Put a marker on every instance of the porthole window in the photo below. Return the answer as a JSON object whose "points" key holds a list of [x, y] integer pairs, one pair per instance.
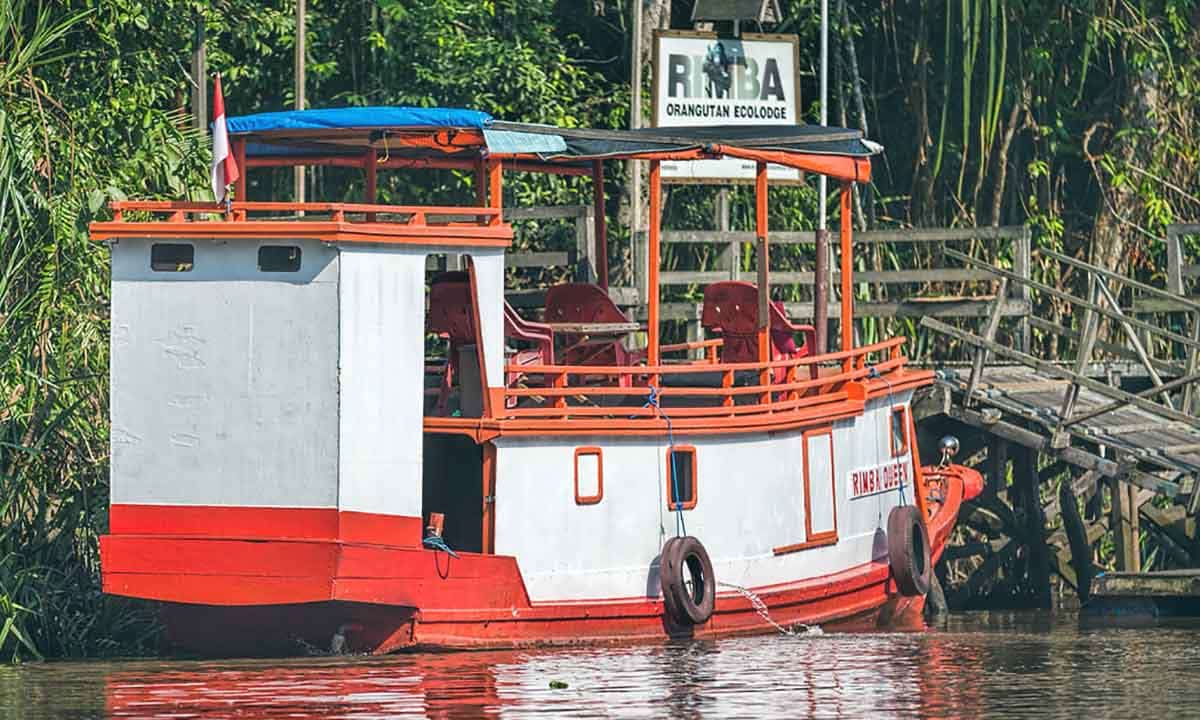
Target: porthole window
{"points": [[589, 476], [681, 478], [172, 257], [279, 258], [899, 431]]}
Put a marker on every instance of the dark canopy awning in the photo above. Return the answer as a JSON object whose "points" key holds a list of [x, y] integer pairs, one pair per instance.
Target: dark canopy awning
{"points": [[430, 134]]}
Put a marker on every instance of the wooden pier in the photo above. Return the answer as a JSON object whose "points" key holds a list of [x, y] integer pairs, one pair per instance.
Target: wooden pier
{"points": [[1076, 453]]}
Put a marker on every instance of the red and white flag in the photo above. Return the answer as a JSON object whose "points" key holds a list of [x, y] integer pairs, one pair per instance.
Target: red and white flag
{"points": [[224, 167]]}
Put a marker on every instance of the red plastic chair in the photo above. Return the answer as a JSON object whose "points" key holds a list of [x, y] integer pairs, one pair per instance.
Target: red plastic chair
{"points": [[452, 316], [540, 336], [731, 310], [587, 303]]}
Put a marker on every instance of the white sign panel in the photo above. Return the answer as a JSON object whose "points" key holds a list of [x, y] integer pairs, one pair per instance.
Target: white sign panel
{"points": [[706, 81]]}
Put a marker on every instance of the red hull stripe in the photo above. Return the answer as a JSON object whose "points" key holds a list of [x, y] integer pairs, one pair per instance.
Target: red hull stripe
{"points": [[264, 522], [339, 568]]}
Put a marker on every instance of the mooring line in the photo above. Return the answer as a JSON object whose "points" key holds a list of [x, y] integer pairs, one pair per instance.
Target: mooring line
{"points": [[761, 608]]}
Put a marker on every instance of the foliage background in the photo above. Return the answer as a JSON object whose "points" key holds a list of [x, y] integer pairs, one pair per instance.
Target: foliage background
{"points": [[1077, 118]]}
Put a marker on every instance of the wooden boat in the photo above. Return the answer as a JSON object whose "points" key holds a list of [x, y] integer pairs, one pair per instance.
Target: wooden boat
{"points": [[290, 470]]}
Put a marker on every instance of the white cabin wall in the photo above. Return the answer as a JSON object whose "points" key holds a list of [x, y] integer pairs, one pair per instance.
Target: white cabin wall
{"points": [[382, 327], [750, 500], [489, 283], [224, 378]]}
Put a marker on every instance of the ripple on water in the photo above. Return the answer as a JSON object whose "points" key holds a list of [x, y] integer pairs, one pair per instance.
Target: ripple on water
{"points": [[981, 664]]}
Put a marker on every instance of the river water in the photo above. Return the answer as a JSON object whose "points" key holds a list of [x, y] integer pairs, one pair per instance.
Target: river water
{"points": [[995, 665]]}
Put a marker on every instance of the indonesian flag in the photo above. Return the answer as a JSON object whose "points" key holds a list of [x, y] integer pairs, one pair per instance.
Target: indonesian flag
{"points": [[224, 167]]}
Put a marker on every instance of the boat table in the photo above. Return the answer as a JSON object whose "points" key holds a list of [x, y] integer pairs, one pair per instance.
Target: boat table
{"points": [[594, 328]]}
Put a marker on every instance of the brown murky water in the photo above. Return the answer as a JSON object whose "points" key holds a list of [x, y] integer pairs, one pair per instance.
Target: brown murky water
{"points": [[977, 665]]}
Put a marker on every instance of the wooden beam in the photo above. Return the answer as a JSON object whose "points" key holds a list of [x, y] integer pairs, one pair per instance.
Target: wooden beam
{"points": [[1118, 404], [601, 224], [989, 333], [1143, 356], [1048, 327], [1076, 531], [1068, 297], [1053, 370], [1143, 287]]}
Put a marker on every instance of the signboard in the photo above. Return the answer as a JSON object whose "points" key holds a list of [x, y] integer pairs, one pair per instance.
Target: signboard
{"points": [[703, 80], [878, 479]]}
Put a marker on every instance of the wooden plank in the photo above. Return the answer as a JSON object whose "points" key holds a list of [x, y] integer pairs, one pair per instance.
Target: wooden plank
{"points": [[1053, 370], [923, 235], [1176, 296], [1068, 297], [1030, 439], [1048, 327], [1185, 584], [538, 259], [1143, 356], [989, 334], [1117, 405], [883, 277], [545, 212], [804, 311]]}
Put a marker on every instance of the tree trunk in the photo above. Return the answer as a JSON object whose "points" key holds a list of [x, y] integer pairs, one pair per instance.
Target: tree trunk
{"points": [[1115, 230]]}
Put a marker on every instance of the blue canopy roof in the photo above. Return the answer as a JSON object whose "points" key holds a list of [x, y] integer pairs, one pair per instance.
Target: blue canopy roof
{"points": [[359, 117]]}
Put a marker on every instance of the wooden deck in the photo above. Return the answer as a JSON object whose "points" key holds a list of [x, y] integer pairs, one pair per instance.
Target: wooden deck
{"points": [[1155, 451]]}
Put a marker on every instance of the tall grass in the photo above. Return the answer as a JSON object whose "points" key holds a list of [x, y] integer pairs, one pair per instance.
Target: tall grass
{"points": [[54, 355]]}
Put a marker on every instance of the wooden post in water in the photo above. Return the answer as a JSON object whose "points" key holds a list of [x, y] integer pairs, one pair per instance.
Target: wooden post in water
{"points": [[1025, 479], [1120, 520], [1081, 549]]}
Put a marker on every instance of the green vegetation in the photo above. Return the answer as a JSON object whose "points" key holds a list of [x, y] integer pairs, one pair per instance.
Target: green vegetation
{"points": [[1078, 118]]}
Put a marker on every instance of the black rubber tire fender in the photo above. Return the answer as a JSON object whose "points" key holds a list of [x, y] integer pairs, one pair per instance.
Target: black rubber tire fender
{"points": [[908, 550], [688, 585]]}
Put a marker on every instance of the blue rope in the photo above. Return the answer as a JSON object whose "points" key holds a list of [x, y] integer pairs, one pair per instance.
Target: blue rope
{"points": [[652, 401], [874, 374], [435, 542]]}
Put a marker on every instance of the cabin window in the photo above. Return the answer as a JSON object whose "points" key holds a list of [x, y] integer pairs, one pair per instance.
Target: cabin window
{"points": [[279, 258], [589, 476], [681, 478], [172, 257], [899, 431]]}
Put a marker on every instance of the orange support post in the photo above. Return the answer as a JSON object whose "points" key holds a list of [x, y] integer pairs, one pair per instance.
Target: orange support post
{"points": [[652, 260], [847, 319], [764, 256], [370, 193], [601, 227], [495, 184], [239, 156]]}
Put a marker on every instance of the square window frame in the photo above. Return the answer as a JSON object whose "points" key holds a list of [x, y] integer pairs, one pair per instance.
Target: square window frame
{"points": [[590, 499], [259, 258], [176, 269], [688, 504]]}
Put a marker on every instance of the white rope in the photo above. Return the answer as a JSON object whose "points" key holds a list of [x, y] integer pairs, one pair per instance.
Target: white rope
{"points": [[761, 608]]}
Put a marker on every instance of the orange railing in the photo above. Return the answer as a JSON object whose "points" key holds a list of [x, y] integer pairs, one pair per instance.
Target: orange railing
{"points": [[558, 398], [411, 215]]}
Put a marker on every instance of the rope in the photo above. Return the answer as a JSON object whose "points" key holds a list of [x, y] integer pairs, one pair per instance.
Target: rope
{"points": [[435, 542], [874, 374], [652, 401], [760, 607]]}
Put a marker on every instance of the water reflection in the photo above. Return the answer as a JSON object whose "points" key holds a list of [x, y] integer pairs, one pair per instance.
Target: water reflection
{"points": [[998, 665]]}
